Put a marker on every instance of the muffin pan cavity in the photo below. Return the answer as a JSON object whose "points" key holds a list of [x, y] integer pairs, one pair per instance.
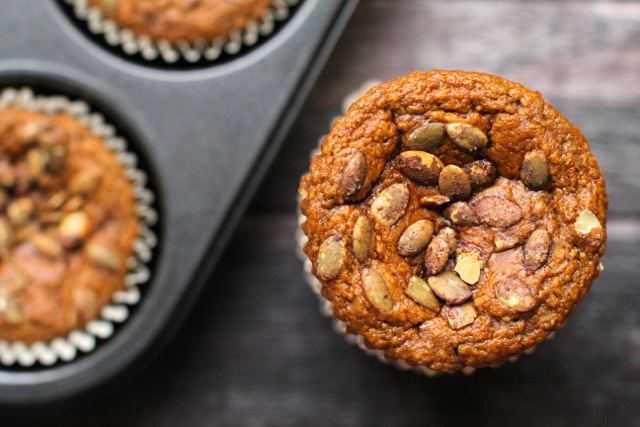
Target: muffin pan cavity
{"points": [[52, 249], [144, 49]]}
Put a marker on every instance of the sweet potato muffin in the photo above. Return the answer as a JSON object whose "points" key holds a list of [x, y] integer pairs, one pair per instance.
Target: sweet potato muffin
{"points": [[183, 20], [454, 219], [68, 223]]}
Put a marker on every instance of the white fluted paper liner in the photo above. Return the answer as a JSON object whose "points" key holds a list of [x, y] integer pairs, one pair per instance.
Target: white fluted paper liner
{"points": [[66, 349], [326, 307], [205, 50]]}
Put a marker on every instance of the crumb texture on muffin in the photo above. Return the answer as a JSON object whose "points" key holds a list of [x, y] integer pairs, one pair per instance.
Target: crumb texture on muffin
{"points": [[68, 223], [455, 219]]}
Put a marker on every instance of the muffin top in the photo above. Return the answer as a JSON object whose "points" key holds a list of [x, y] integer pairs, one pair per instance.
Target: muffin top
{"points": [[455, 219], [68, 223], [183, 20]]}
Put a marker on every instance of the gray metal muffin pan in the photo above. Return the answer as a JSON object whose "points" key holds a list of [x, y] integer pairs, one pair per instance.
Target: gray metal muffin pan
{"points": [[204, 134]]}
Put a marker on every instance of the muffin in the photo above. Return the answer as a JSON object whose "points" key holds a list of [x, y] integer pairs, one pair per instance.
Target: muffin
{"points": [[75, 228], [183, 20], [67, 227], [187, 30], [453, 220]]}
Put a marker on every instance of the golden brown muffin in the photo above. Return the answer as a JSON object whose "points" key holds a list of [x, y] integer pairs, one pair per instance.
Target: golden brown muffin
{"points": [[67, 225], [454, 219], [183, 20]]}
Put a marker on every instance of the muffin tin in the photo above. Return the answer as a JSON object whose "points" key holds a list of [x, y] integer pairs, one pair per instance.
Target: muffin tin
{"points": [[205, 135]]}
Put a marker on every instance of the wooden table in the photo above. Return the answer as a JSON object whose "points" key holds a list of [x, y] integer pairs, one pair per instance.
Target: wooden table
{"points": [[255, 350]]}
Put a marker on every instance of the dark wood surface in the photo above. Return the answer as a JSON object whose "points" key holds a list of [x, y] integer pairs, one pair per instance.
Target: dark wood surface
{"points": [[255, 351]]}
